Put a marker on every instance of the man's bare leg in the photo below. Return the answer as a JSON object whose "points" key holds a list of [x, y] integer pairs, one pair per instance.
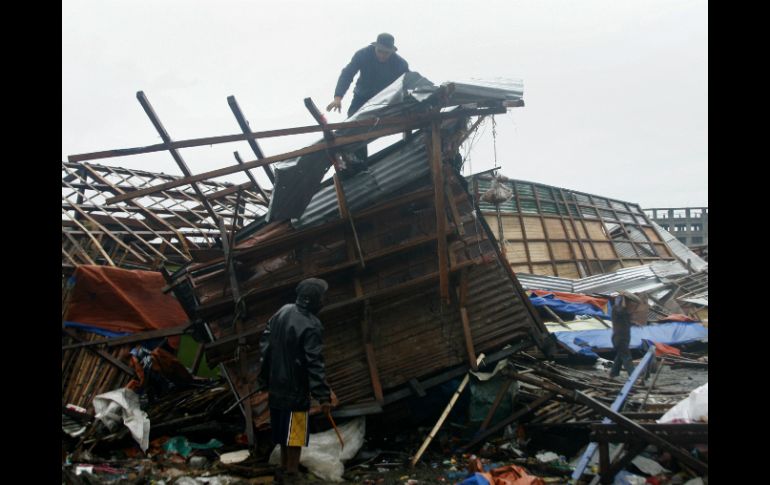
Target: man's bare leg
{"points": [[283, 457], [292, 459]]}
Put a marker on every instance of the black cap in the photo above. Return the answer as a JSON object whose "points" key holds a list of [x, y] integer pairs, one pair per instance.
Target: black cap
{"points": [[385, 41]]}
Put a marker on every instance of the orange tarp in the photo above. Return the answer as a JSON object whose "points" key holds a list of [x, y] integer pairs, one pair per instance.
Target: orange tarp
{"points": [[505, 475], [123, 300], [599, 303], [663, 349], [678, 317]]}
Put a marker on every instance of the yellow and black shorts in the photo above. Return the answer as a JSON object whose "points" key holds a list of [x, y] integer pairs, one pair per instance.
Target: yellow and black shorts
{"points": [[289, 428]]}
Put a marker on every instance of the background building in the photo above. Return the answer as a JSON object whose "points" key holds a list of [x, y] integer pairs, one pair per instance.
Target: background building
{"points": [[690, 225]]}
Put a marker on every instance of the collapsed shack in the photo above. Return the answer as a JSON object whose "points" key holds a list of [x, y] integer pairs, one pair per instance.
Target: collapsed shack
{"points": [[419, 287]]}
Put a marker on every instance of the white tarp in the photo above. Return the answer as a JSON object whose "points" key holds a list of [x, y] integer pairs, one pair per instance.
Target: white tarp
{"points": [[123, 404]]}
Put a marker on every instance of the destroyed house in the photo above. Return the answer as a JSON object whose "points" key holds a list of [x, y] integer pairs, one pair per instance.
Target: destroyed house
{"points": [[418, 288]]}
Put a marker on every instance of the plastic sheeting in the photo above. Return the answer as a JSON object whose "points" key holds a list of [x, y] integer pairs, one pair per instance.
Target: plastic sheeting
{"points": [[588, 341], [324, 455], [566, 309], [123, 404], [121, 300]]}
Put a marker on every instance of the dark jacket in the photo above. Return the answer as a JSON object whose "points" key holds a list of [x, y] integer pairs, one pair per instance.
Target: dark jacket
{"points": [[375, 75], [621, 323], [292, 366]]}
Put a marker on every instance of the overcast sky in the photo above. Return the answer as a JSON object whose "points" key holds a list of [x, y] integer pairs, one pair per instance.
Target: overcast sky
{"points": [[615, 91]]}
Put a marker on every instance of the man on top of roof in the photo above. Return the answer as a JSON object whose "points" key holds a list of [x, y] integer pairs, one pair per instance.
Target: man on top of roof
{"points": [[379, 66]]}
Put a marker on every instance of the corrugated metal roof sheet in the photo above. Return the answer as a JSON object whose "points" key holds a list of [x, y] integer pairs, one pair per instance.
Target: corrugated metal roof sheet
{"points": [[386, 176], [682, 252], [298, 179], [636, 279], [552, 283]]}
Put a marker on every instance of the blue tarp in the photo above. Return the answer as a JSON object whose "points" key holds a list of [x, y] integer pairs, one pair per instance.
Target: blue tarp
{"points": [[97, 330], [588, 341], [475, 479], [566, 309]]}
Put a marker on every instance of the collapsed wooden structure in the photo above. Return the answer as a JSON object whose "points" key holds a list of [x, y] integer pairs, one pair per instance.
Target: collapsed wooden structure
{"points": [[418, 286]]}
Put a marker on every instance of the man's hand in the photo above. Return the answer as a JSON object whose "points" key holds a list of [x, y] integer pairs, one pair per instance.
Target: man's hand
{"points": [[326, 407], [336, 104]]}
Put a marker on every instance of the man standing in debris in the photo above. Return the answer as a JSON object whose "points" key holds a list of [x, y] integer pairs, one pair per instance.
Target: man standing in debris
{"points": [[292, 369], [379, 66], [623, 306]]}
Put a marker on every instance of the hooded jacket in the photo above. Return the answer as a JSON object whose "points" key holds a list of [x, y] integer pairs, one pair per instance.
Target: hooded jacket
{"points": [[292, 364]]}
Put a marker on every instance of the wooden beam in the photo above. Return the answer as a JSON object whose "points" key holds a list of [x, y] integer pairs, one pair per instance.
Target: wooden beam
{"points": [[106, 231], [78, 247], [114, 219], [147, 212], [129, 339], [438, 187], [252, 164], [91, 236], [251, 177], [456, 217], [462, 297], [174, 153], [244, 124], [371, 360], [214, 140]]}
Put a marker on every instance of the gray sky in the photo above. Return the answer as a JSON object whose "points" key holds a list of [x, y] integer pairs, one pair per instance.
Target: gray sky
{"points": [[615, 90]]}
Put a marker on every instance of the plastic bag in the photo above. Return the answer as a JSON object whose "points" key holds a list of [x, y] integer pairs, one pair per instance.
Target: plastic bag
{"points": [[497, 193], [692, 409], [324, 456]]}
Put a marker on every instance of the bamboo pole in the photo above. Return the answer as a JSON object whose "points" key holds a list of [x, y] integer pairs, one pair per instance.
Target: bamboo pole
{"points": [[444, 415]]}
